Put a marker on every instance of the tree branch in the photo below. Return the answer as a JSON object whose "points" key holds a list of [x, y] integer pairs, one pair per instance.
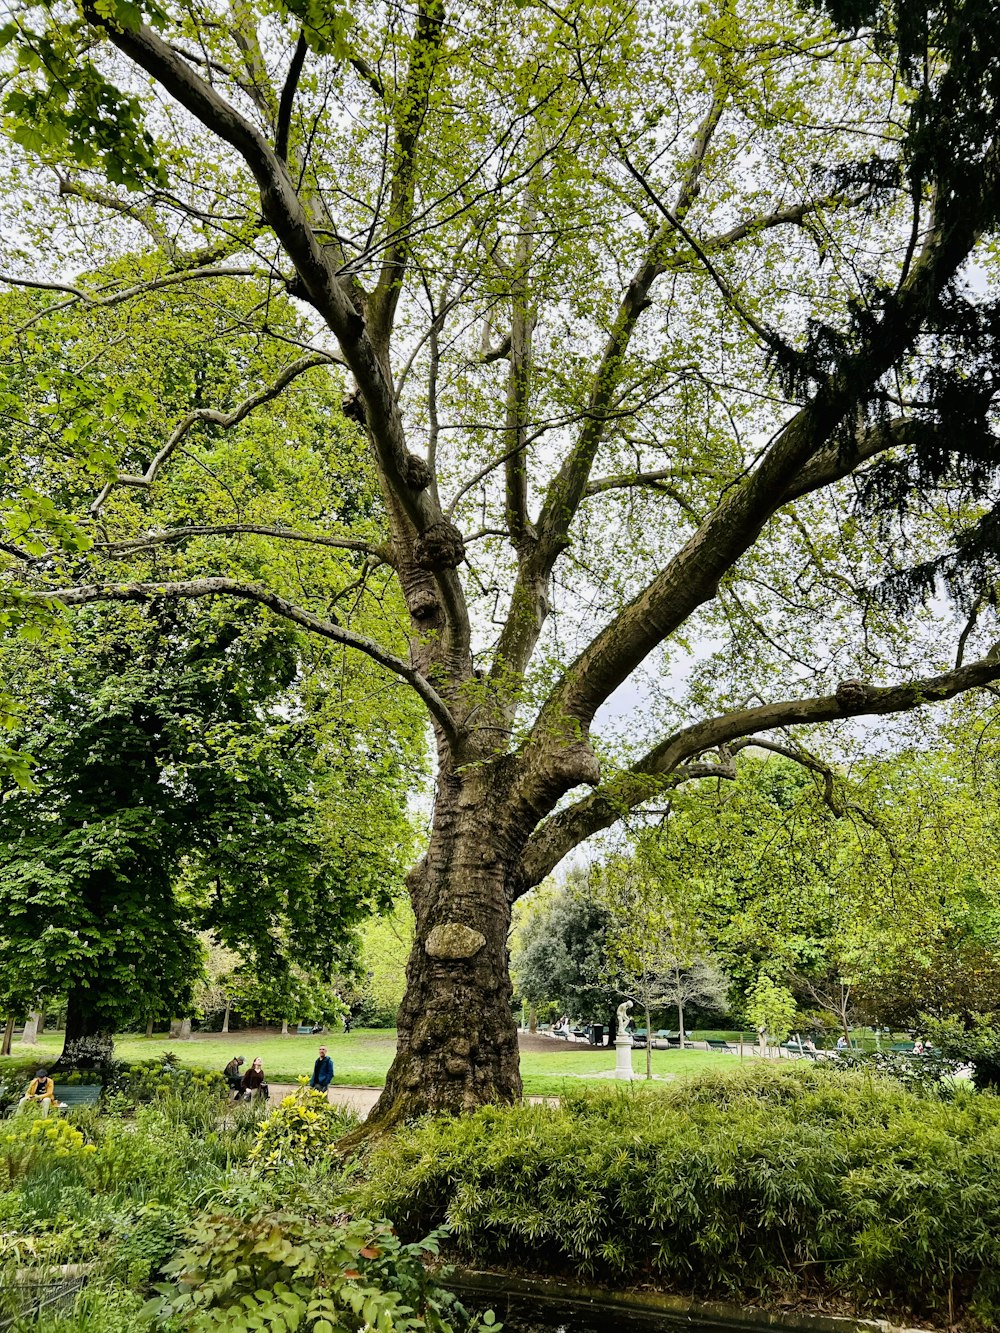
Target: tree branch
{"points": [[170, 535], [799, 458], [413, 509], [561, 832], [287, 99], [255, 592], [409, 122], [212, 416]]}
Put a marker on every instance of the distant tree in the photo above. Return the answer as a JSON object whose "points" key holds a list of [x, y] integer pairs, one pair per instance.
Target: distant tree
{"points": [[181, 786]]}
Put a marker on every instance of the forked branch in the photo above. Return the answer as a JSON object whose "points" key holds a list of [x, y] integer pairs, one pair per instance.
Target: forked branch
{"points": [[561, 832]]}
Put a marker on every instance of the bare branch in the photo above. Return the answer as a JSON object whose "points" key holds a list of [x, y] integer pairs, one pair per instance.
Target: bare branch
{"points": [[255, 592], [288, 98], [170, 535], [212, 416]]}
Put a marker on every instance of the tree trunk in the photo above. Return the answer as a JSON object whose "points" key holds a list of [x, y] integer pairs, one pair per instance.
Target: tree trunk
{"points": [[30, 1034], [180, 1029], [149, 1027], [8, 1036], [41, 1024], [225, 1018], [532, 1019], [284, 1027], [457, 1036], [88, 1041], [649, 1043]]}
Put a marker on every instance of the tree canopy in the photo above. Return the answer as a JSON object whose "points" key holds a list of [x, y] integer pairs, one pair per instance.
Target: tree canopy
{"points": [[670, 331]]}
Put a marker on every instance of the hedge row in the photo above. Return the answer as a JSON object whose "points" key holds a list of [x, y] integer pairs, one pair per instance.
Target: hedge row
{"points": [[795, 1181]]}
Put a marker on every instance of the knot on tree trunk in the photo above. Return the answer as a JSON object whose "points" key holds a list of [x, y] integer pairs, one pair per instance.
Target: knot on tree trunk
{"points": [[416, 473], [423, 604], [440, 547], [852, 694], [453, 940], [353, 408]]}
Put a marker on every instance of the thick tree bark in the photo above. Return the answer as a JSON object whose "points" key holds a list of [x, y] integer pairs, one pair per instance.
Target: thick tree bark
{"points": [[87, 1039], [284, 1027], [457, 1034], [30, 1034], [225, 1018], [149, 1027], [8, 1036]]}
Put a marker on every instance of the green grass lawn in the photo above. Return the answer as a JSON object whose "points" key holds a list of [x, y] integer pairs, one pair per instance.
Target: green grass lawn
{"points": [[362, 1057]]}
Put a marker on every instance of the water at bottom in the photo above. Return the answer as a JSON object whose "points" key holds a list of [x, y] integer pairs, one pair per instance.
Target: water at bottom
{"points": [[523, 1315]]}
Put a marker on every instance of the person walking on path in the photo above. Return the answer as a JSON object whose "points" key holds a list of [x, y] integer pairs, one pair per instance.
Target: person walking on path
{"points": [[41, 1091], [322, 1072]]}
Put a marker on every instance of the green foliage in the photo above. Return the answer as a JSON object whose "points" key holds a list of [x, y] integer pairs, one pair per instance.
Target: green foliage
{"points": [[755, 1182], [771, 1008], [302, 1128], [306, 1269], [976, 1042], [30, 1140]]}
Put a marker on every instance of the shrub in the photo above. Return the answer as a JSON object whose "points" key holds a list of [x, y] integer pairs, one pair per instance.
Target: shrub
{"points": [[153, 1080], [977, 1043], [303, 1128], [304, 1269], [30, 1142], [759, 1181]]}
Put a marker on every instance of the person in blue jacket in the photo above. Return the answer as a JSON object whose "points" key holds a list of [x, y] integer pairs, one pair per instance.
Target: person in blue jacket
{"points": [[322, 1071]]}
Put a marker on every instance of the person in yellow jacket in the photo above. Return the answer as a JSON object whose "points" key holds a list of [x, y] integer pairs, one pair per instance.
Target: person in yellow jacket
{"points": [[41, 1092]]}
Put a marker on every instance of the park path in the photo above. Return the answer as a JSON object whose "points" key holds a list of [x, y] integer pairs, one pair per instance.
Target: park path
{"points": [[359, 1100]]}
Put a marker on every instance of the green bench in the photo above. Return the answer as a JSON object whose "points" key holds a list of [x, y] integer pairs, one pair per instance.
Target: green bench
{"points": [[722, 1046], [78, 1094], [304, 1030]]}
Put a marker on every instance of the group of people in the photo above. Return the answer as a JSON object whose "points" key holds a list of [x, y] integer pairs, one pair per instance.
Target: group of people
{"points": [[252, 1084]]}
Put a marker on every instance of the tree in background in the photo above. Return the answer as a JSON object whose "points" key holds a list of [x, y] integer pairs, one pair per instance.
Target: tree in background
{"points": [[637, 372], [559, 953], [771, 1010], [652, 950], [181, 784]]}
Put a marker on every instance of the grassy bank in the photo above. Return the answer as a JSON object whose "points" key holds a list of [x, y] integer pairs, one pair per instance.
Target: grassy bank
{"points": [[361, 1058]]}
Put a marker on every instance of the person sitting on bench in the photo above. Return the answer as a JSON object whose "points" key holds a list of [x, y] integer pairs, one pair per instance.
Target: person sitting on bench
{"points": [[253, 1084], [232, 1075], [41, 1092]]}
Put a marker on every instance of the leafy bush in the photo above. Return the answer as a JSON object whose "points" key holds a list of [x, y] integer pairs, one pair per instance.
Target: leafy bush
{"points": [[770, 1179], [305, 1269], [303, 1128], [30, 1141], [977, 1044], [921, 1073], [152, 1080]]}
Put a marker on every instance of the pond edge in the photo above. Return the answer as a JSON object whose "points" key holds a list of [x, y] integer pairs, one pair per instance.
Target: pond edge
{"points": [[496, 1285]]}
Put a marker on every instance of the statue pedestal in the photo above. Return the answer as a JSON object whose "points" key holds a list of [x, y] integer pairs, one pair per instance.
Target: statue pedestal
{"points": [[623, 1056]]}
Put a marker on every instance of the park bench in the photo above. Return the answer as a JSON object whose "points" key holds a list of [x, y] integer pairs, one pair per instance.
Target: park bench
{"points": [[722, 1046], [902, 1047], [78, 1094], [304, 1030]]}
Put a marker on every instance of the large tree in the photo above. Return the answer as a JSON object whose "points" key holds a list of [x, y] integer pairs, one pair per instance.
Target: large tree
{"points": [[675, 321], [180, 785]]}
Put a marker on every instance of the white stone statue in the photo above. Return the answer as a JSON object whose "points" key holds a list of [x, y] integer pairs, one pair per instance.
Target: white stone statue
{"points": [[624, 1021]]}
